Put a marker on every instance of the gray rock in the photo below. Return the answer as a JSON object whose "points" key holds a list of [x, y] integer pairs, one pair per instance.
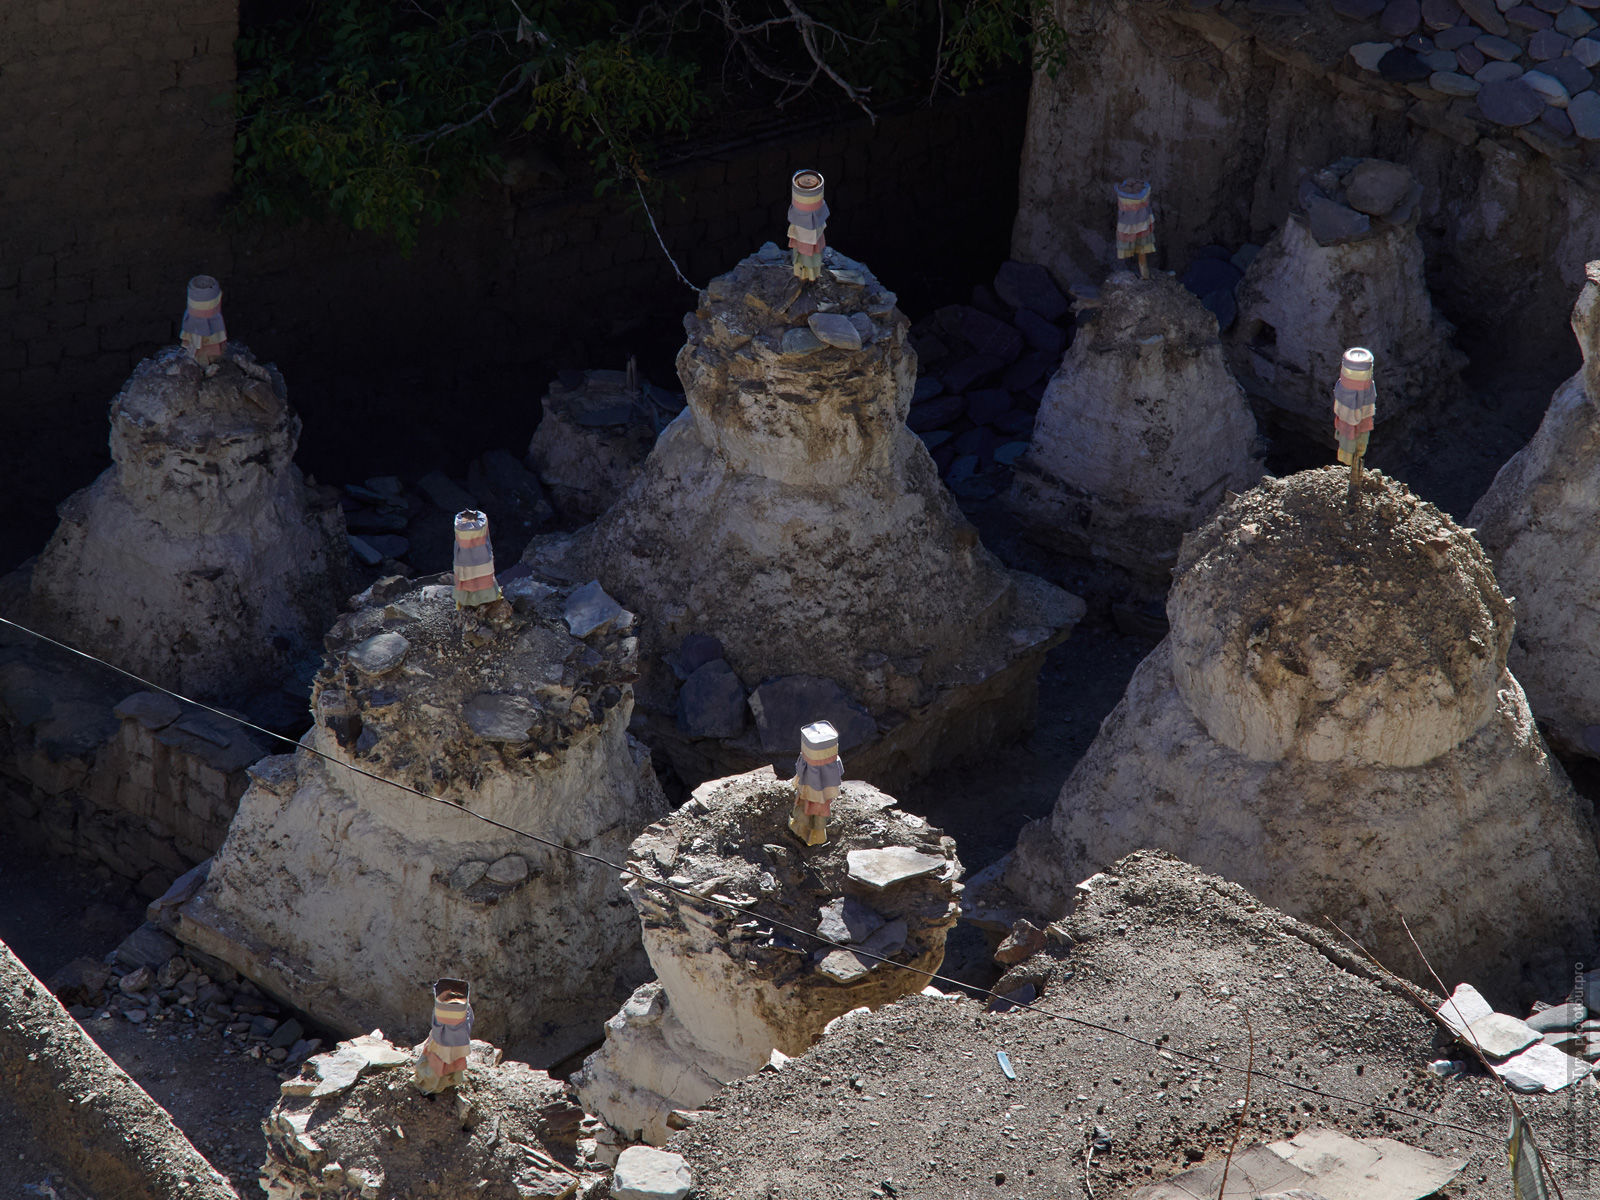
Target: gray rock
{"points": [[1561, 1016], [1586, 51], [848, 920], [799, 341], [1401, 65], [1548, 88], [1542, 1069], [1358, 10], [1400, 17], [510, 491], [467, 874], [1525, 16], [711, 702], [1455, 38], [207, 728], [1029, 286], [846, 966], [891, 865], [1439, 60], [153, 710], [1497, 72], [1498, 47], [1368, 55], [1499, 1035], [287, 1034], [936, 413], [1487, 14], [511, 869], [498, 717], [379, 653], [864, 327], [1469, 60], [590, 609], [1375, 187], [836, 330], [989, 335], [1279, 8], [1452, 84], [1511, 102], [366, 553], [695, 651], [645, 1173], [1584, 112], [1575, 23], [1574, 76], [1039, 333], [1333, 223], [444, 493], [1440, 15], [1547, 44], [146, 946], [1557, 121], [783, 706], [1466, 1005]]}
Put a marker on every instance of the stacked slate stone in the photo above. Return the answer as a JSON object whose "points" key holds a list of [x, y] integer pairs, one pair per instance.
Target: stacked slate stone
{"points": [[983, 368], [1354, 199], [1524, 65]]}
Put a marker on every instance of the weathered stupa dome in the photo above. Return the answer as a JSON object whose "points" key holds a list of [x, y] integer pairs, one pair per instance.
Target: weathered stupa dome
{"points": [[1331, 724], [731, 988], [345, 895], [199, 559], [1346, 269], [793, 555], [1140, 433], [1540, 521]]}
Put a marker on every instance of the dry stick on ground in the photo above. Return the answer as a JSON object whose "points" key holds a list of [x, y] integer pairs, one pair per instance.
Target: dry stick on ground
{"points": [[1465, 1034], [1249, 1071]]}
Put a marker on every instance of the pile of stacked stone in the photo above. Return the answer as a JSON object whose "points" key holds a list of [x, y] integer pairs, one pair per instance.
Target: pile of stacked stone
{"points": [[1554, 1048], [793, 555], [1331, 724], [1345, 269], [596, 430], [1540, 522], [148, 982], [1141, 432], [983, 368], [735, 985], [1521, 63], [341, 892], [402, 530], [200, 559], [352, 1126]]}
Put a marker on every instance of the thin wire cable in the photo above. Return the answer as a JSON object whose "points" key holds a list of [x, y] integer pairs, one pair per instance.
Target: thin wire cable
{"points": [[732, 906]]}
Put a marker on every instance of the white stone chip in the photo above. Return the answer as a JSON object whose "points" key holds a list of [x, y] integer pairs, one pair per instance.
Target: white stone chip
{"points": [[1466, 1005], [1542, 1068], [645, 1173]]}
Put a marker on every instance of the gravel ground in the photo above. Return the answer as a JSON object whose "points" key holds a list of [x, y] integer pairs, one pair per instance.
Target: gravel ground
{"points": [[912, 1102]]}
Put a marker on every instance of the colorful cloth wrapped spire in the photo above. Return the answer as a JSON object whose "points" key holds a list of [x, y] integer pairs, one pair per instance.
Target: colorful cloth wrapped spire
{"points": [[818, 772], [444, 1056], [1355, 400], [474, 561], [203, 334], [1136, 228], [808, 217]]}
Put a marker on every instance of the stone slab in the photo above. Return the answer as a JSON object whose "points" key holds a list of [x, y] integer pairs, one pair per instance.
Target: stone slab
{"points": [[589, 609], [1466, 1005], [1542, 1068], [153, 710], [379, 653], [891, 865], [645, 1173], [1500, 1035]]}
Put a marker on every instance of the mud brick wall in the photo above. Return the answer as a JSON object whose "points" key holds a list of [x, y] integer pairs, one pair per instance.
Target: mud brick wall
{"points": [[115, 154]]}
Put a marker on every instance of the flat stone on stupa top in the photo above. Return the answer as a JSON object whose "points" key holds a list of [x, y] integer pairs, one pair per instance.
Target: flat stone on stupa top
{"points": [[379, 653], [499, 717], [1499, 1035], [893, 864], [835, 329], [848, 920], [589, 609]]}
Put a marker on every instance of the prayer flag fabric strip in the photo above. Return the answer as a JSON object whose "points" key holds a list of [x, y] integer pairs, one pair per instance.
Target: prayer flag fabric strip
{"points": [[808, 217], [473, 561], [1136, 230], [1355, 402], [203, 333]]}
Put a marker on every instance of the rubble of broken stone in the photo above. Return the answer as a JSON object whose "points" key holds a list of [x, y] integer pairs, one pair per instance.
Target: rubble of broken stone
{"points": [[517, 711], [1335, 670], [739, 973], [200, 559], [1141, 432], [352, 1127], [1555, 1046], [595, 432], [789, 517], [1345, 269]]}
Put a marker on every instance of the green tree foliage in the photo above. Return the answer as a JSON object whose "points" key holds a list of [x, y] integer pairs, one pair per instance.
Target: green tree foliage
{"points": [[381, 112]]}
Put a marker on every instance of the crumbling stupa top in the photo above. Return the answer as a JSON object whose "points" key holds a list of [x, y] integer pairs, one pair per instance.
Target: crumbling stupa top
{"points": [[182, 403], [420, 692], [1301, 626]]}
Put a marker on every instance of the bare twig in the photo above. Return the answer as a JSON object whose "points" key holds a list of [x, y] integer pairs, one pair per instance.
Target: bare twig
{"points": [[808, 26], [1249, 1073]]}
